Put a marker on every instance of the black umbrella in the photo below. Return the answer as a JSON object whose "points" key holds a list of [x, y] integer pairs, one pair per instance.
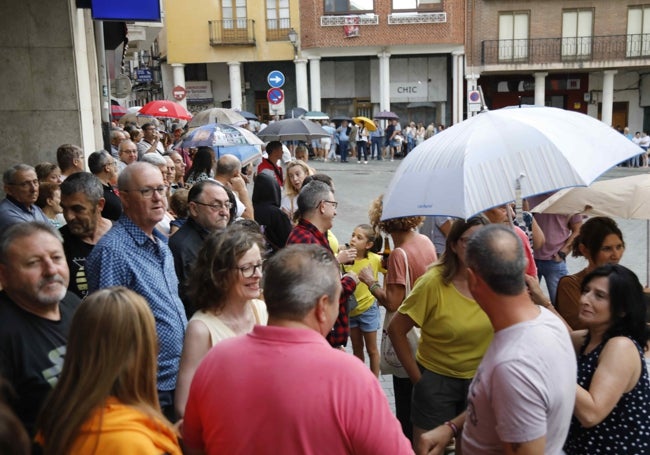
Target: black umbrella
{"points": [[292, 129], [387, 115], [296, 112], [249, 115], [340, 118]]}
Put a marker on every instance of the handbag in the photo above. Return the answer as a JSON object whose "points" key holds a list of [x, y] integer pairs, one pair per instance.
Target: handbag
{"points": [[388, 361]]}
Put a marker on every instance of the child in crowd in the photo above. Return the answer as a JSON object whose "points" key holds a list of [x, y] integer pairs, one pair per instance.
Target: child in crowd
{"points": [[365, 319]]}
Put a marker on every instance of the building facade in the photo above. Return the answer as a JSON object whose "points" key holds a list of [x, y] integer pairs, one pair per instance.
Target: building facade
{"points": [[586, 56]]}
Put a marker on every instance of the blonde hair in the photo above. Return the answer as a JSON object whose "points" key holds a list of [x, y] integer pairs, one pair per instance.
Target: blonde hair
{"points": [[403, 224], [111, 352], [288, 186]]}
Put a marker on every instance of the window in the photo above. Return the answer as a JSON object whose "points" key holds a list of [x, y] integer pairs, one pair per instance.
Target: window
{"points": [[513, 36], [638, 31], [416, 5], [234, 14], [577, 26], [349, 6], [278, 23]]}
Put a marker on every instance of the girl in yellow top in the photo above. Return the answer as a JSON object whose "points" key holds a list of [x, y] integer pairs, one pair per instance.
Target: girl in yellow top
{"points": [[106, 399], [365, 319], [455, 334]]}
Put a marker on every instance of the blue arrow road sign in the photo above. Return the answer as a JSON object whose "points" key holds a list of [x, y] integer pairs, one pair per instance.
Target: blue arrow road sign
{"points": [[275, 79], [275, 96]]}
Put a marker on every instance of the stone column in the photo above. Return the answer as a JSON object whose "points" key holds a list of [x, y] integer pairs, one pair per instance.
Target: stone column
{"points": [[302, 93], [540, 88], [472, 84], [178, 70], [314, 82], [384, 81], [234, 69], [608, 96], [458, 58]]}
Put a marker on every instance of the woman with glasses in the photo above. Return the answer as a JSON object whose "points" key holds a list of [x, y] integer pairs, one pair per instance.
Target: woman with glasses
{"points": [[224, 287]]}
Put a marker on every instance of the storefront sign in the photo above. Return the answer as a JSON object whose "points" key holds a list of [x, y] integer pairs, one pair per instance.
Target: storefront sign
{"points": [[199, 91], [409, 91]]}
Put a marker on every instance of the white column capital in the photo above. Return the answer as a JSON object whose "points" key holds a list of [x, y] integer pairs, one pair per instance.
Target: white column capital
{"points": [[384, 55], [457, 53], [300, 61], [540, 74], [610, 72], [234, 63], [178, 65], [314, 59]]}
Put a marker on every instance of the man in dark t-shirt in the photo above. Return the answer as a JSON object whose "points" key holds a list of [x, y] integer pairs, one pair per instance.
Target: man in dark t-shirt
{"points": [[35, 314], [82, 202]]}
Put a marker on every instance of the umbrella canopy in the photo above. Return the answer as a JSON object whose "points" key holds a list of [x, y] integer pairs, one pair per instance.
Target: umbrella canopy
{"points": [[117, 111], [218, 115], [137, 119], [479, 163], [340, 118], [293, 129], [215, 135], [626, 197], [296, 112], [316, 115], [366, 121], [387, 115], [165, 109], [245, 153], [248, 115]]}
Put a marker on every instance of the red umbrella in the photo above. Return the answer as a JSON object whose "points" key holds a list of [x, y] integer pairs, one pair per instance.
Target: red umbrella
{"points": [[165, 109], [117, 111]]}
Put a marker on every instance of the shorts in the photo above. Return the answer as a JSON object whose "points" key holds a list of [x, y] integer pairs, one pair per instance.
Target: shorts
{"points": [[437, 398], [369, 320], [326, 143]]}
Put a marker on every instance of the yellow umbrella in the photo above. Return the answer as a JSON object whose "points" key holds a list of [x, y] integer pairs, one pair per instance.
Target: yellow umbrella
{"points": [[367, 122]]}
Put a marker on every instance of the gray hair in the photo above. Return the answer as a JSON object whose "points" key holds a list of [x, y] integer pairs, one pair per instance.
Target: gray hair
{"points": [[125, 143], [311, 196], [296, 277], [84, 183], [496, 254], [227, 165], [22, 230], [97, 160], [154, 158], [9, 174]]}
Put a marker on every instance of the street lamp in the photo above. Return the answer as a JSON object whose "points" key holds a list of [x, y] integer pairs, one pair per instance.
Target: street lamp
{"points": [[293, 38]]}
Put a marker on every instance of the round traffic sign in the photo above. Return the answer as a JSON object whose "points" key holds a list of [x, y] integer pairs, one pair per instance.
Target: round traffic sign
{"points": [[474, 96], [179, 93], [275, 95], [275, 79]]}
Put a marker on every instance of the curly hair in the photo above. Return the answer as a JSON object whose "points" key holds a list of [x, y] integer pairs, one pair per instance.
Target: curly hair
{"points": [[403, 224], [215, 269]]}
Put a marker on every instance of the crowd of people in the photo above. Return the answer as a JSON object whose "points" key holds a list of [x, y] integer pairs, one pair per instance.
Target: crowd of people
{"points": [[151, 305]]}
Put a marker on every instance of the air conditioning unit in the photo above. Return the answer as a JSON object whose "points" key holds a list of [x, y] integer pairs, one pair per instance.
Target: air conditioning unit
{"points": [[573, 84]]}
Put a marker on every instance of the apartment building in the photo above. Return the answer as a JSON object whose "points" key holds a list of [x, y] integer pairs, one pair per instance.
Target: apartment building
{"points": [[590, 56], [345, 57]]}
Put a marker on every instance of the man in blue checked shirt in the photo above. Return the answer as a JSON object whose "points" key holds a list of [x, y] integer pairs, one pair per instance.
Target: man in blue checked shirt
{"points": [[135, 255]]}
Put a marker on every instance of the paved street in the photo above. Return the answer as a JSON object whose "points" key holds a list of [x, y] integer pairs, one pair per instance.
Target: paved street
{"points": [[357, 184]]}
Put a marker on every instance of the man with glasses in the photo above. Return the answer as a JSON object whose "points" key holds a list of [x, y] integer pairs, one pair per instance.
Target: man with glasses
{"points": [[317, 208], [19, 206], [209, 207], [150, 141], [103, 166], [135, 254], [128, 153]]}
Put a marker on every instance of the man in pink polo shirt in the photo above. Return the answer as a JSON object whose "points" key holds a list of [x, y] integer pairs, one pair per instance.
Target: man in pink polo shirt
{"points": [[282, 388]]}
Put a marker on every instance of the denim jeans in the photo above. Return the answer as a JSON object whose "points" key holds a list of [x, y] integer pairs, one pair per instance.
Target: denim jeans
{"points": [[551, 271], [376, 146], [343, 148]]}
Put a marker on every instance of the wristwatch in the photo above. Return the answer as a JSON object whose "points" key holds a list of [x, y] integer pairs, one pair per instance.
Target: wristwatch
{"points": [[562, 255]]}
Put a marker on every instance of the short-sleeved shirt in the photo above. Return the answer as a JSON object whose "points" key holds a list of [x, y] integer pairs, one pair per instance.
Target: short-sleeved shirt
{"points": [[455, 333], [31, 353], [421, 254], [524, 388], [12, 212], [126, 256], [76, 252], [364, 297]]}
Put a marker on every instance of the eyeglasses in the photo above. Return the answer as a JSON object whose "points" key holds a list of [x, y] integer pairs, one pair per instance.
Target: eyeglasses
{"points": [[112, 163], [334, 203], [216, 205], [147, 192], [26, 183], [248, 271]]}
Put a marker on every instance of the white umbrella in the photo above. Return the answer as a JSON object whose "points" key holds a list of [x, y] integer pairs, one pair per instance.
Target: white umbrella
{"points": [[218, 115], [626, 197], [481, 162]]}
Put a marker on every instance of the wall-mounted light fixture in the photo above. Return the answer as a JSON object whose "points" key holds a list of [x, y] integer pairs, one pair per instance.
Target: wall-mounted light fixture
{"points": [[293, 39]]}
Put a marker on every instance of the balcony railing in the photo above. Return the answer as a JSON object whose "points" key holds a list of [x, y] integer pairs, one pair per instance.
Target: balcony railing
{"points": [[232, 32], [560, 50], [278, 29]]}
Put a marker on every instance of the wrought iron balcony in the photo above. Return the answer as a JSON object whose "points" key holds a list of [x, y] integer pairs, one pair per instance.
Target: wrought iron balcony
{"points": [[232, 32], [561, 50], [278, 29]]}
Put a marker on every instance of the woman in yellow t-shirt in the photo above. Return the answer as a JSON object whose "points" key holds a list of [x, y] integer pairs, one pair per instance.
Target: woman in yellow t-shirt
{"points": [[106, 400], [454, 337]]}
